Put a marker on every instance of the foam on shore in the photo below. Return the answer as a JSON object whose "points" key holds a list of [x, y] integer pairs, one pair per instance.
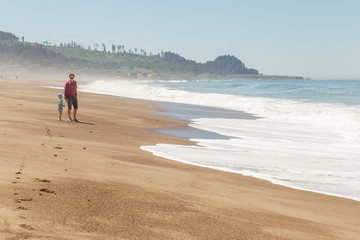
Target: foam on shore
{"points": [[310, 146]]}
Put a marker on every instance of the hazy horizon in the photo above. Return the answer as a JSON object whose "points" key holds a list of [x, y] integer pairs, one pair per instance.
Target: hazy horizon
{"points": [[316, 40]]}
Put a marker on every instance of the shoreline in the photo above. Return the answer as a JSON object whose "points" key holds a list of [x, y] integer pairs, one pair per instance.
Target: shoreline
{"points": [[257, 177], [176, 110], [170, 109], [106, 187]]}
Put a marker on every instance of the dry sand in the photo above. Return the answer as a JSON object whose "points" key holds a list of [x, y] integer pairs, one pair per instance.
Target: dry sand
{"points": [[91, 180]]}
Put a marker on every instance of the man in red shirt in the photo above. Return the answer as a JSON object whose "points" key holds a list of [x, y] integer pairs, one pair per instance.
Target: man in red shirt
{"points": [[70, 93]]}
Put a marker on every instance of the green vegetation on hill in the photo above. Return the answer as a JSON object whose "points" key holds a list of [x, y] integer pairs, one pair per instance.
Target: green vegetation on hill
{"points": [[118, 62], [8, 36]]}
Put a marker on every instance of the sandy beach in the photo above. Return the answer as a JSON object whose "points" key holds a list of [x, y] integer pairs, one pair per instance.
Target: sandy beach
{"points": [[90, 180]]}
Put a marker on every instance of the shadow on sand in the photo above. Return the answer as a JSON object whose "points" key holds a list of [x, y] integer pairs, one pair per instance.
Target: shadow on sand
{"points": [[85, 123]]}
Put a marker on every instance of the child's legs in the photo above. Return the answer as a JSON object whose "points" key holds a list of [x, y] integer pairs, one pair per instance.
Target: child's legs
{"points": [[60, 113]]}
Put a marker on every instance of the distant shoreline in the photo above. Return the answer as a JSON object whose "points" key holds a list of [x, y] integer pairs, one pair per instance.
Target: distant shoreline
{"points": [[14, 71], [120, 62]]}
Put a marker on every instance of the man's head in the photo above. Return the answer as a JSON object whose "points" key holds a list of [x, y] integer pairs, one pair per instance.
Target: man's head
{"points": [[71, 76]]}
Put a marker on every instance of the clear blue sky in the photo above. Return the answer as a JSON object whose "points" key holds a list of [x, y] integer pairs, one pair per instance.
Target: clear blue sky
{"points": [[319, 39]]}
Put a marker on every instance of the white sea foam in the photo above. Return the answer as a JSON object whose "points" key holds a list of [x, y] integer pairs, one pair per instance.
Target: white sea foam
{"points": [[343, 119], [294, 155], [311, 146]]}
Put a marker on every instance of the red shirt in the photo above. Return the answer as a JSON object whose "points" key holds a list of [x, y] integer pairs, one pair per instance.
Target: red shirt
{"points": [[70, 89]]}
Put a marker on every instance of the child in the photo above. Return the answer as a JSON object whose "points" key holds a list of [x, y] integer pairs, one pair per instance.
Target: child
{"points": [[60, 105]]}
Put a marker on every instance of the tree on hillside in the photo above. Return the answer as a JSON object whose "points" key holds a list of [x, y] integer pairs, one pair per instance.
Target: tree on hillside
{"points": [[75, 56], [226, 64], [175, 58], [8, 36]]}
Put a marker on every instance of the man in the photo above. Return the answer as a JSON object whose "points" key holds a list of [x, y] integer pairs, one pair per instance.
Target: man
{"points": [[70, 93]]}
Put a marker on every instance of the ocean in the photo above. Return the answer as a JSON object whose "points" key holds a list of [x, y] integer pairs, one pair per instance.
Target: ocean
{"points": [[303, 134]]}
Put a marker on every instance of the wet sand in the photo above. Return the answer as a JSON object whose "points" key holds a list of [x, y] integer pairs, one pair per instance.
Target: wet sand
{"points": [[91, 180]]}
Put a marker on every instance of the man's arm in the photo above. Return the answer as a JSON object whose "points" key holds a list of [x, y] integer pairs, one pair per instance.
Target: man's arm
{"points": [[66, 90]]}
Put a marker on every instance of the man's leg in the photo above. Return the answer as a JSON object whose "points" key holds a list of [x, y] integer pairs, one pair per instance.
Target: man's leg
{"points": [[75, 104], [75, 110], [70, 105], [69, 112]]}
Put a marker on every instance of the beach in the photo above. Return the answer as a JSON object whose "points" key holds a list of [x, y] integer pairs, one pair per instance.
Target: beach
{"points": [[92, 180]]}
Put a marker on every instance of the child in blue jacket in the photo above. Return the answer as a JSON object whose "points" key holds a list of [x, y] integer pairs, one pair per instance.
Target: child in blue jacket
{"points": [[60, 105]]}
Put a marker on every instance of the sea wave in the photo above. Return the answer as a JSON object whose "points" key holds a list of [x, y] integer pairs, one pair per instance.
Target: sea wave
{"points": [[305, 145], [345, 119]]}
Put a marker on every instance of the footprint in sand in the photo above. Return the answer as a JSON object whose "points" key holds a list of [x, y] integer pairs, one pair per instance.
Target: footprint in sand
{"points": [[22, 208], [20, 200], [41, 180], [17, 173], [48, 132], [46, 190], [27, 227]]}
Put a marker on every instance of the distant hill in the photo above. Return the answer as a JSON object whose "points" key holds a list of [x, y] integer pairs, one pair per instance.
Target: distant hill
{"points": [[120, 62], [7, 36]]}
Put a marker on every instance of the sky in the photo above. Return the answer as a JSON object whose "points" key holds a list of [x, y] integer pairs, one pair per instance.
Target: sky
{"points": [[318, 39]]}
